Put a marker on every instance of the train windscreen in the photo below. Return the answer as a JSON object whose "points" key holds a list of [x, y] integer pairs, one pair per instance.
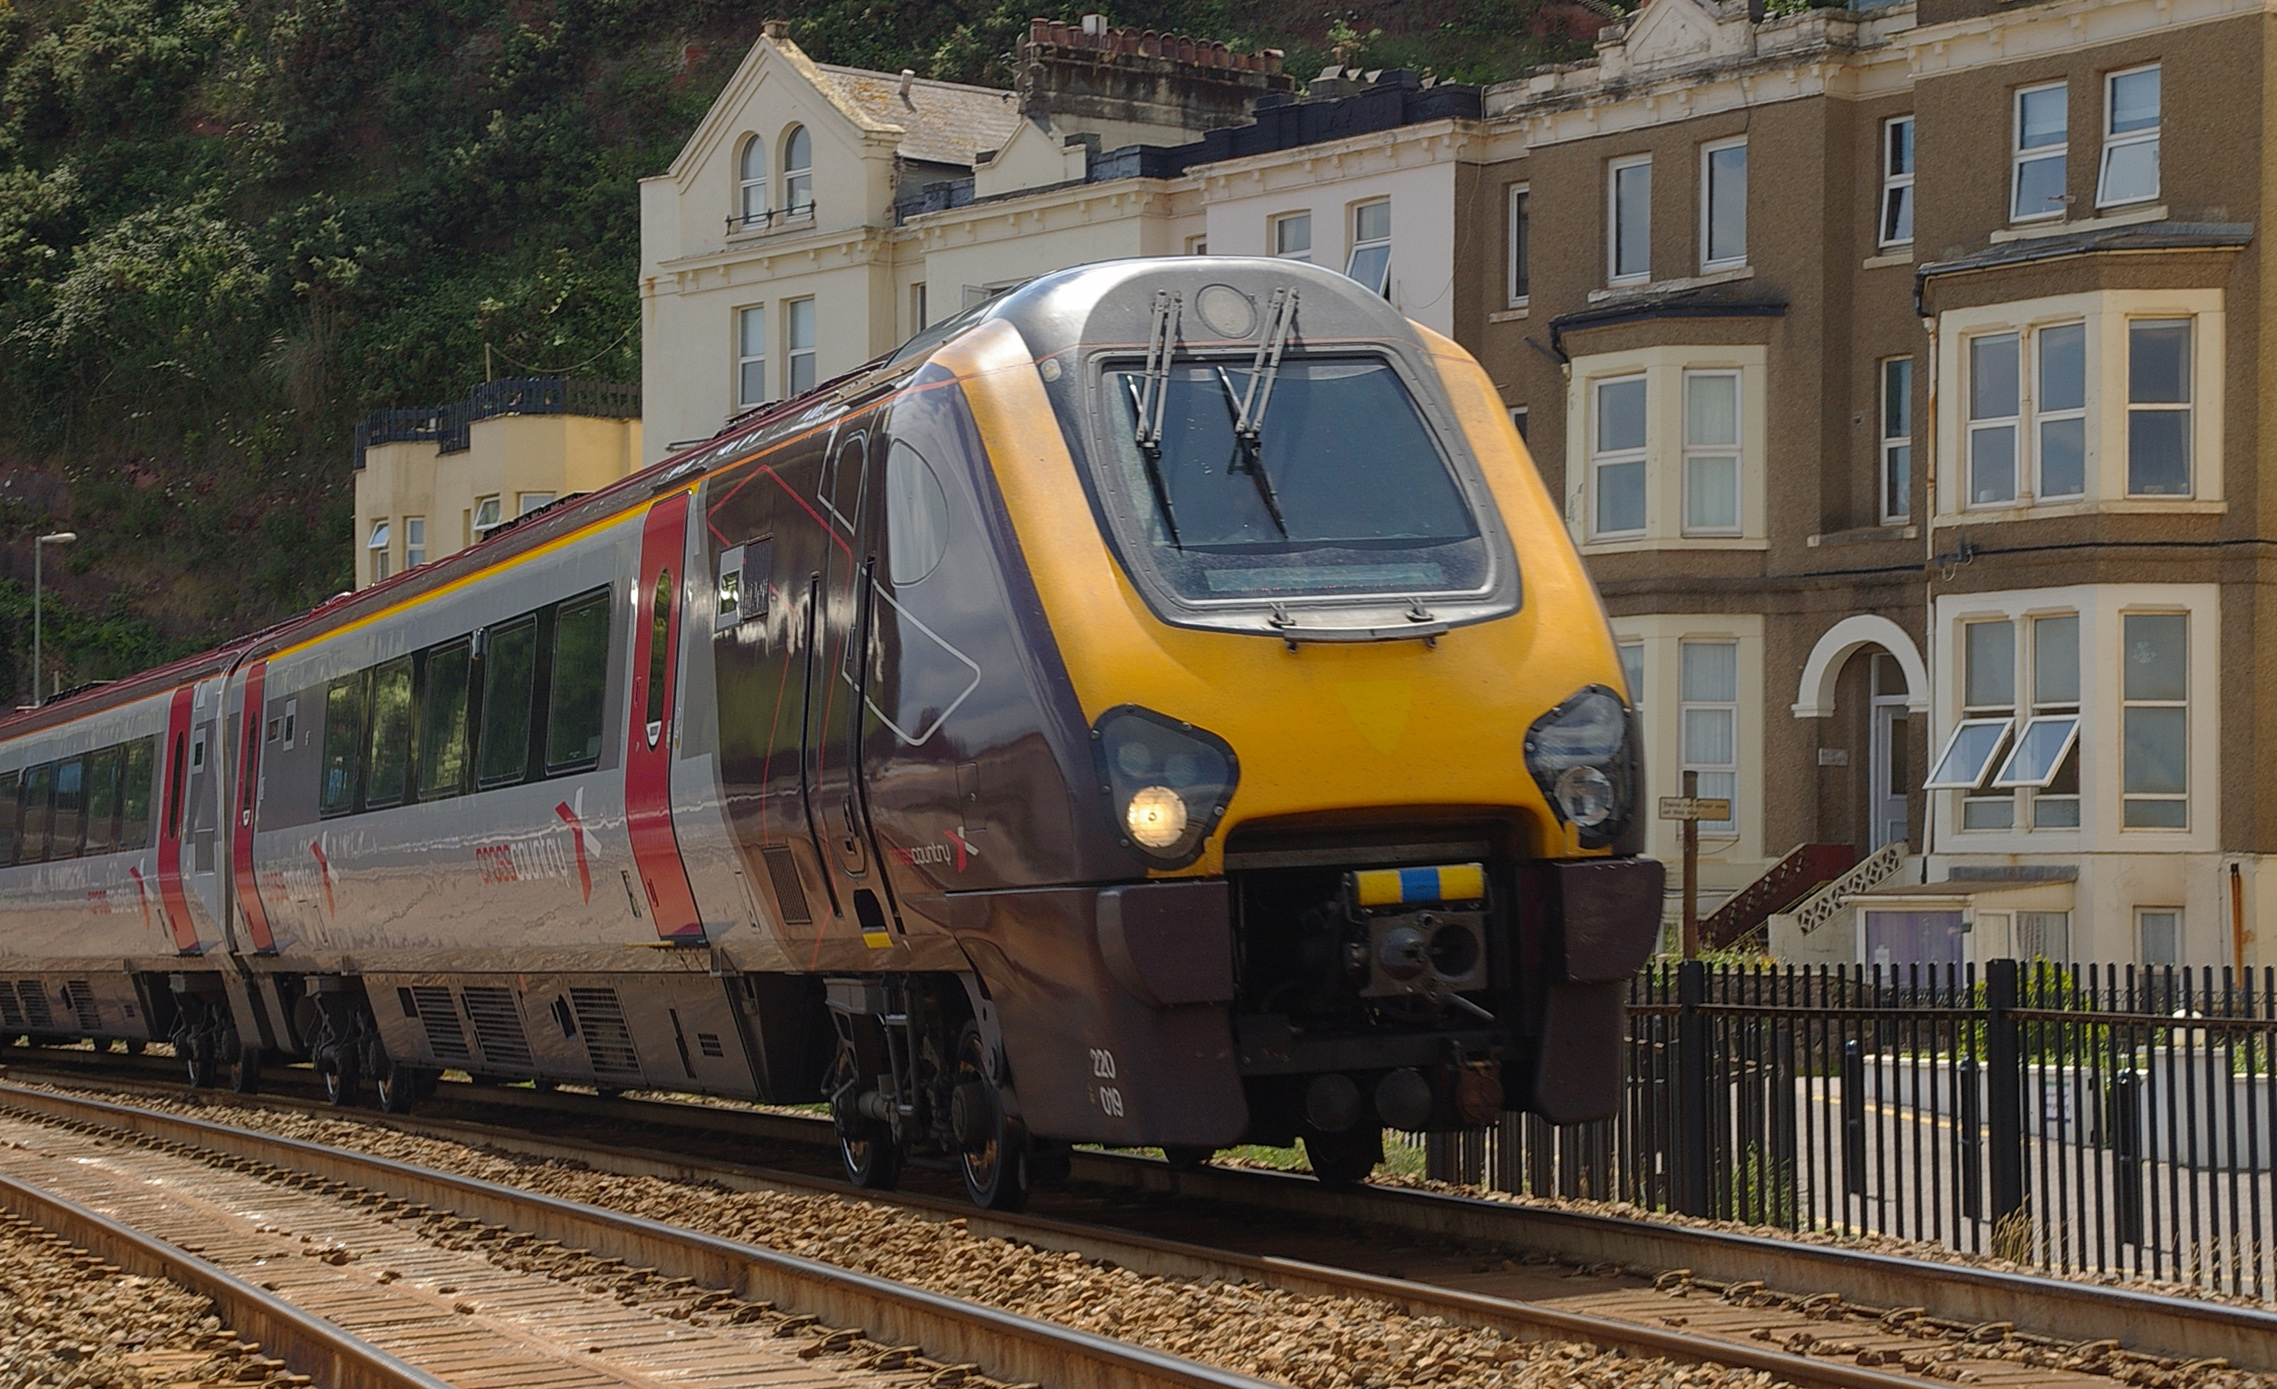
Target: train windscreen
{"points": [[1320, 479]]}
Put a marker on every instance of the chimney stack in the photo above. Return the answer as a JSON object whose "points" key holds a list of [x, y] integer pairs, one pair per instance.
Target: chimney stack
{"points": [[1179, 85]]}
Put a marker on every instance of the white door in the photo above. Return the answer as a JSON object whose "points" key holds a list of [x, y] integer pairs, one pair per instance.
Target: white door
{"points": [[1886, 786]]}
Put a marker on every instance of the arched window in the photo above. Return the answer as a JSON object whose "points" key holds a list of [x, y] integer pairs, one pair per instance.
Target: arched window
{"points": [[798, 172], [751, 182]]}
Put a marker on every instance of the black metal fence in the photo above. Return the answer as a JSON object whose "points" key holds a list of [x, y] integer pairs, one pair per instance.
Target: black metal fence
{"points": [[2102, 1118], [448, 426]]}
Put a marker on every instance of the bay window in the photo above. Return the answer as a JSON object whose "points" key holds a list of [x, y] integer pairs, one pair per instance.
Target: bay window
{"points": [[2155, 732], [1711, 453], [1617, 461], [1995, 409], [1988, 715], [2158, 407]]}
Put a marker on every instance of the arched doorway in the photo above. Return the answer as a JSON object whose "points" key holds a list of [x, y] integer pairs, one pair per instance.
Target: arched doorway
{"points": [[1866, 682]]}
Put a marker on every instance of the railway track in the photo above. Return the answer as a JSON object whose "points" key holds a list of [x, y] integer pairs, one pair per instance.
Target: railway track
{"points": [[370, 1274], [1809, 1336]]}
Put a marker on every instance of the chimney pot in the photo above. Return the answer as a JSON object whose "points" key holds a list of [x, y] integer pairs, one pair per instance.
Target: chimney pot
{"points": [[1095, 25], [908, 80], [774, 29]]}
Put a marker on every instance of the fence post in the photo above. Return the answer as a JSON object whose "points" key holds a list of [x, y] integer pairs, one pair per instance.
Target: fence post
{"points": [[2004, 1088], [1692, 1064], [1854, 1118], [1971, 1104], [2127, 1156]]}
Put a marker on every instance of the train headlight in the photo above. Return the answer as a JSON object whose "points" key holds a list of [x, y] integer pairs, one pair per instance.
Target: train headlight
{"points": [[1166, 783], [1583, 757], [1156, 817]]}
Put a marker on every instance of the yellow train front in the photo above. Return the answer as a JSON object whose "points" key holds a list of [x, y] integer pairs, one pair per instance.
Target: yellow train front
{"points": [[1235, 721]]}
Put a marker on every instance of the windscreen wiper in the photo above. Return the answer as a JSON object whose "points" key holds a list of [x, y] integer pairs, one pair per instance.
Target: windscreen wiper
{"points": [[1249, 458], [1149, 400]]}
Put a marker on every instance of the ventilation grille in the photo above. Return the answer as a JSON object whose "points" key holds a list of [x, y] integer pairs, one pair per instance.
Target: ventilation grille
{"points": [[11, 1014], [446, 1040], [36, 1014], [497, 1027], [709, 1044], [79, 997], [608, 1042], [783, 874]]}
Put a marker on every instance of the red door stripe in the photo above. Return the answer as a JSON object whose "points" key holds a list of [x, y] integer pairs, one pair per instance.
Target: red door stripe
{"points": [[648, 766], [246, 792], [173, 778]]}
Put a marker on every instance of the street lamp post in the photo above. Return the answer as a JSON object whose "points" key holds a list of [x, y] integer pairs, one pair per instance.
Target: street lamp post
{"points": [[39, 550]]}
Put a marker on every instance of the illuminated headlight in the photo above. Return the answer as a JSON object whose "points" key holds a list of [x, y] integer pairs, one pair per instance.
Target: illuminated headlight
{"points": [[1582, 757], [1166, 783]]}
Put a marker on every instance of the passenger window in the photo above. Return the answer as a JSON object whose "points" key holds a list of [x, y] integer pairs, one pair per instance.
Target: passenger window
{"points": [[103, 801], [135, 795], [659, 646], [38, 783], [917, 516], [388, 771], [292, 718], [509, 662], [442, 723], [70, 809], [580, 674], [11, 809], [343, 738]]}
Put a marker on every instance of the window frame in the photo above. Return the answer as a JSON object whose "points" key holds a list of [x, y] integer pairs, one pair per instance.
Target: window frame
{"points": [[1614, 168], [414, 541], [381, 547], [603, 598], [1685, 707], [746, 183], [1601, 459], [1358, 246], [422, 704], [1709, 262], [1274, 231], [1517, 232], [2019, 154], [2186, 407], [1887, 444], [1689, 452], [2032, 405], [2128, 703], [1952, 745], [797, 178], [2114, 141], [2142, 954], [1895, 183], [796, 356], [1972, 424], [748, 363], [482, 704]]}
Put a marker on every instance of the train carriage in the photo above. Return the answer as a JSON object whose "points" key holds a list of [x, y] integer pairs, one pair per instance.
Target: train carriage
{"points": [[1159, 707]]}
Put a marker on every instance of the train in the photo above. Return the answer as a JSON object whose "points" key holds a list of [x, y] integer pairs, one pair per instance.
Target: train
{"points": [[1160, 707]]}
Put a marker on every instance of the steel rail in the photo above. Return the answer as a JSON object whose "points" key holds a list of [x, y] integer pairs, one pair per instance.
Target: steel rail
{"points": [[308, 1345], [2145, 1322], [1005, 1345]]}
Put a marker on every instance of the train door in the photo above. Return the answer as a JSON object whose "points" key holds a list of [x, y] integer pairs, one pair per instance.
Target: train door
{"points": [[651, 732], [837, 669], [203, 807], [174, 779], [245, 799]]}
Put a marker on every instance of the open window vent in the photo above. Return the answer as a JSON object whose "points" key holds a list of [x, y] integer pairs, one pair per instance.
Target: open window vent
{"points": [[37, 1016], [79, 997]]}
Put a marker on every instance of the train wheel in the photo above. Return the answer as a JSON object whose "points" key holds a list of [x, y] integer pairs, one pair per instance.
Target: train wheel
{"points": [[135, 1045], [995, 1146], [245, 1075], [398, 1086], [1344, 1159], [198, 1054], [874, 1163], [1183, 1158], [343, 1077]]}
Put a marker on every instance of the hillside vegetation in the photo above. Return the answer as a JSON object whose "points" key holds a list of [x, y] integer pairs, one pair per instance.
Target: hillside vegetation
{"points": [[229, 229]]}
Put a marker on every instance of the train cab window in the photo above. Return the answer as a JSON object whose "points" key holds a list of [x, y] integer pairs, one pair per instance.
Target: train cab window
{"points": [[442, 722], [103, 800], [388, 771], [509, 668], [659, 649], [579, 679], [70, 809], [39, 785], [917, 516], [1336, 487], [343, 740], [136, 794], [11, 810]]}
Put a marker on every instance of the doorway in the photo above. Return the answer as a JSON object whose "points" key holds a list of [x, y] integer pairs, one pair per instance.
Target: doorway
{"points": [[1890, 755]]}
